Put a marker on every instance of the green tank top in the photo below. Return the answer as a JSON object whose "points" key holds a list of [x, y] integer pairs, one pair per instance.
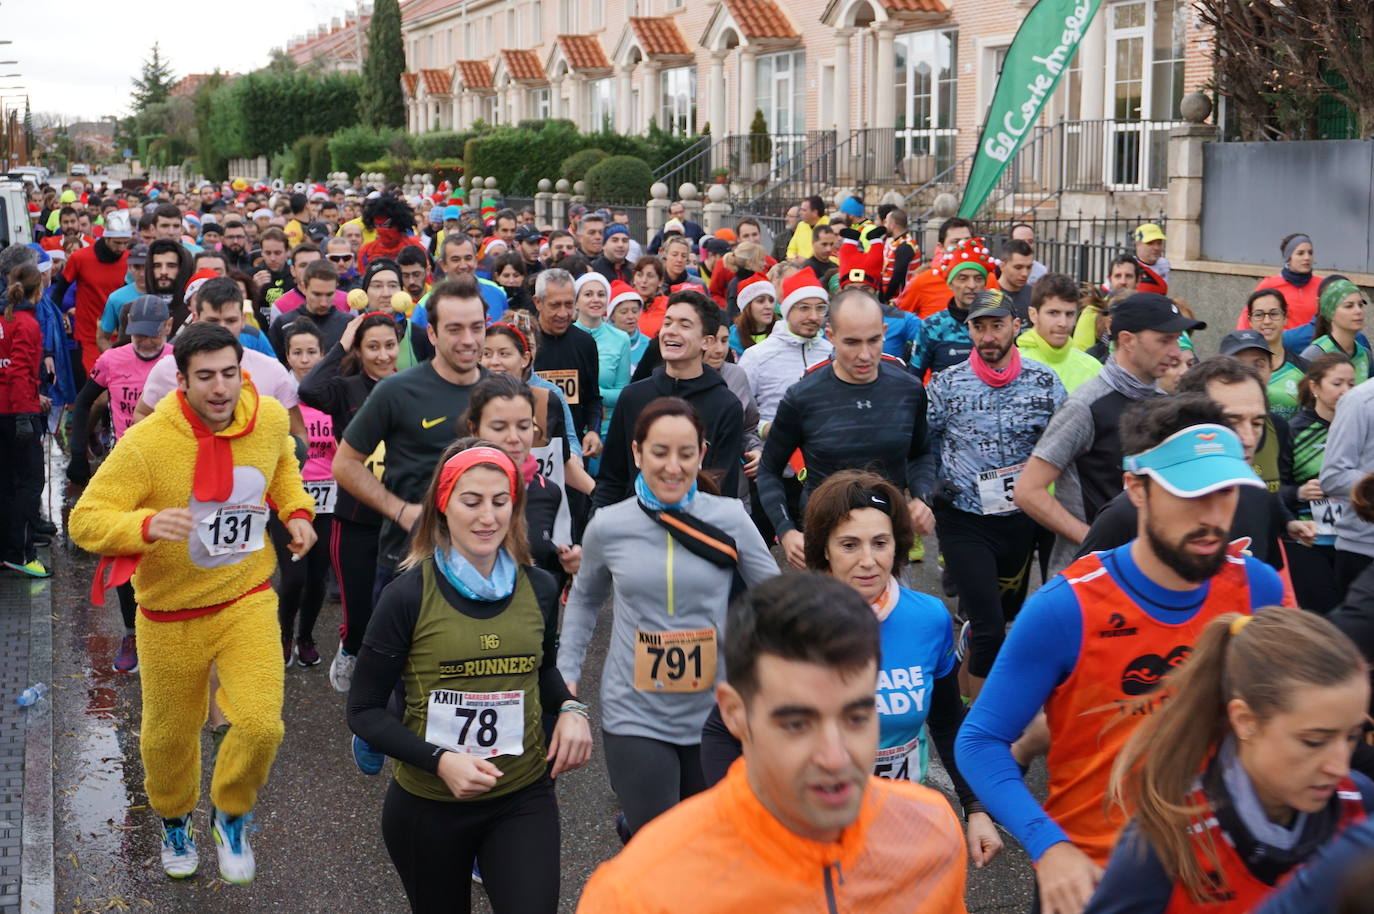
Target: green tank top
{"points": [[480, 678], [1266, 463], [1360, 361], [405, 353], [1283, 390]]}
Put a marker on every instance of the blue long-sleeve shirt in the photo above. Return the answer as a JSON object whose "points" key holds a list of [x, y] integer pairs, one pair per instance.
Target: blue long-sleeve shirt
{"points": [[1318, 886], [1040, 653]]}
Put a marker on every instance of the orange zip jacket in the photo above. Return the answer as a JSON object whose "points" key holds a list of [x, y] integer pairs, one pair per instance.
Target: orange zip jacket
{"points": [[721, 851]]}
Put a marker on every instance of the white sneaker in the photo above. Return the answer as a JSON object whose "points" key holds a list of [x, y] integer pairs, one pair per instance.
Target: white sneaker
{"points": [[179, 857], [236, 862], [341, 670]]}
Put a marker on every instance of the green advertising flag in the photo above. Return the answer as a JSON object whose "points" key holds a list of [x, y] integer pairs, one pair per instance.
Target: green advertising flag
{"points": [[1037, 58]]}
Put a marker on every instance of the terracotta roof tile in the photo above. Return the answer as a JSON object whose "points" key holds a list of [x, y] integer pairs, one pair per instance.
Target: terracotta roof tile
{"points": [[916, 6], [475, 74], [437, 82], [761, 19], [659, 37], [409, 82], [584, 52], [523, 65]]}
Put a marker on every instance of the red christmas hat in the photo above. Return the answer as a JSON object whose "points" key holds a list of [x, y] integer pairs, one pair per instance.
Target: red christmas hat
{"points": [[800, 285], [966, 254], [860, 266], [198, 279], [753, 287], [623, 291]]}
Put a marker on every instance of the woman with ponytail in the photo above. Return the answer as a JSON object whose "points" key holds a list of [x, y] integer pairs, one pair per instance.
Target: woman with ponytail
{"points": [[1244, 773], [21, 422]]}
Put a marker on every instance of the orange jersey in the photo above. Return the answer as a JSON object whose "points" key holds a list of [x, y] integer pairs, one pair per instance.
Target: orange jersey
{"points": [[721, 851], [1124, 655], [1238, 889]]}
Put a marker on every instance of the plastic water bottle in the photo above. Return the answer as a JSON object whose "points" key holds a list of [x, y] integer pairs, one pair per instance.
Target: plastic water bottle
{"points": [[32, 694]]}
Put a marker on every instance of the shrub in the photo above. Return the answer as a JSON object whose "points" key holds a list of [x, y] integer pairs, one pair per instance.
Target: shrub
{"points": [[442, 144], [518, 159], [760, 144], [352, 146], [394, 169], [266, 111], [575, 166], [319, 158], [619, 179]]}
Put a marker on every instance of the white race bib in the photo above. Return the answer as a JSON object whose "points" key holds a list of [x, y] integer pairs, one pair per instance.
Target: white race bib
{"points": [[995, 489], [1327, 512], [325, 492], [233, 529], [484, 724], [899, 763], [551, 466]]}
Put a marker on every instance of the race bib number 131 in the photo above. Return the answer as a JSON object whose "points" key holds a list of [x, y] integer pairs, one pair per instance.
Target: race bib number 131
{"points": [[234, 529]]}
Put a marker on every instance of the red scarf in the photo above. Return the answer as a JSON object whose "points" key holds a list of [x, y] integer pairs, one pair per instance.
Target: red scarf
{"points": [[214, 478], [996, 377]]}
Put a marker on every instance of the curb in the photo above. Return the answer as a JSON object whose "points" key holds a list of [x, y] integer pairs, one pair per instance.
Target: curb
{"points": [[36, 879]]}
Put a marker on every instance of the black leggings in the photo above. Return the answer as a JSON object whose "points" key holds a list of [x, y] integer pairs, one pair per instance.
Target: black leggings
{"points": [[1348, 568], [514, 840], [1313, 570], [21, 484], [973, 545], [650, 776], [353, 549], [128, 606], [300, 591]]}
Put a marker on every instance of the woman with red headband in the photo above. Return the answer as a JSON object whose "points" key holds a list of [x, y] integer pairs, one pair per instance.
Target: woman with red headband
{"points": [[470, 628], [338, 385]]}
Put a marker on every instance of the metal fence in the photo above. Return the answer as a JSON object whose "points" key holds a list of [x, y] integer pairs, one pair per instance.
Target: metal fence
{"points": [[1082, 247], [519, 203]]}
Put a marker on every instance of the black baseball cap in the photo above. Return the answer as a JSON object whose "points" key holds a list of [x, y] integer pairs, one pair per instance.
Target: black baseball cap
{"points": [[147, 313], [528, 233], [1151, 311], [138, 255], [989, 303], [1241, 340]]}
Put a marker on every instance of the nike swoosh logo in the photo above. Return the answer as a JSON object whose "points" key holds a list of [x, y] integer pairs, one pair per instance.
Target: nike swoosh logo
{"points": [[430, 423]]}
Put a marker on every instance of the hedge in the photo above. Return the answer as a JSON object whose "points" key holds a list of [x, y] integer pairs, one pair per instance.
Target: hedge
{"points": [[575, 166], [518, 158], [352, 146], [265, 111], [442, 144], [619, 179]]}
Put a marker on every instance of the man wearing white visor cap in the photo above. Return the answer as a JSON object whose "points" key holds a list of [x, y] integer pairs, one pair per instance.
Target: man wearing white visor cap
{"points": [[1094, 646]]}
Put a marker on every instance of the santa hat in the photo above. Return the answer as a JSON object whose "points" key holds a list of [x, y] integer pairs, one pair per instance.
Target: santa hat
{"points": [[800, 285], [623, 291], [198, 279], [589, 277], [752, 288], [966, 254], [861, 267]]}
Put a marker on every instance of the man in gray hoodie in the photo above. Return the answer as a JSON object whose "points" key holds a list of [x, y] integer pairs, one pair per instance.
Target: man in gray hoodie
{"points": [[794, 346]]}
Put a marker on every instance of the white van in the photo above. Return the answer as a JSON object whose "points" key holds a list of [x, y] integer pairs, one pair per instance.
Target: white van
{"points": [[14, 213]]}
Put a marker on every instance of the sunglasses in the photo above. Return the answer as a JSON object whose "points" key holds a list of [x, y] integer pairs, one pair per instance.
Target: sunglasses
{"points": [[340, 258]]}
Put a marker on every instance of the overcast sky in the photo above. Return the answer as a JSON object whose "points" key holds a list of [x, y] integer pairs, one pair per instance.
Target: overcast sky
{"points": [[77, 58]]}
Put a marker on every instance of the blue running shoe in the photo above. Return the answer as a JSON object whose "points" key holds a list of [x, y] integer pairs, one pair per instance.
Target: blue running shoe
{"points": [[368, 760], [476, 873], [236, 862], [179, 857]]}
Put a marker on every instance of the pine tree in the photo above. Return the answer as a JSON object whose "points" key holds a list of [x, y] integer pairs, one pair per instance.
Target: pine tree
{"points": [[155, 85], [381, 103]]}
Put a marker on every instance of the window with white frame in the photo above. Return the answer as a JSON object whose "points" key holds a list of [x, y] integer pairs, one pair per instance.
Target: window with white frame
{"points": [[490, 109], [430, 59], [467, 41], [678, 94], [567, 16], [512, 29], [927, 89], [414, 54], [1145, 40], [537, 22], [601, 104], [490, 29], [780, 93], [538, 103], [598, 14]]}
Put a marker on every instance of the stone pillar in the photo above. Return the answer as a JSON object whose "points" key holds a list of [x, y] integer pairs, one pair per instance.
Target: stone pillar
{"points": [[715, 215], [624, 89], [884, 91], [517, 103], [748, 75], [648, 93], [556, 98], [656, 211], [577, 95], [1092, 53], [1185, 189], [715, 111], [543, 205], [558, 216], [843, 101], [691, 201]]}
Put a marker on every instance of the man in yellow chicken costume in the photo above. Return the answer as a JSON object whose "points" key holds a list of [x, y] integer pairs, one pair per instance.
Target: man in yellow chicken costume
{"points": [[181, 504]]}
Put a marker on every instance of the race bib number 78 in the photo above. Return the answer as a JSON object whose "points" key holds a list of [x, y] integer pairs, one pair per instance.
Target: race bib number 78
{"points": [[484, 724]]}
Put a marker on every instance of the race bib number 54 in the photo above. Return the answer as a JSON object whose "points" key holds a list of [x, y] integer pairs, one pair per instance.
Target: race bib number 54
{"points": [[681, 661], [484, 724], [233, 529]]}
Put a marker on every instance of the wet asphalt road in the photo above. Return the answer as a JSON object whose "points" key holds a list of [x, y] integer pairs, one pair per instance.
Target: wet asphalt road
{"points": [[319, 847]]}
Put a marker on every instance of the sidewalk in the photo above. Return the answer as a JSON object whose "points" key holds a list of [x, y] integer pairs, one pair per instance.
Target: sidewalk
{"points": [[26, 854]]}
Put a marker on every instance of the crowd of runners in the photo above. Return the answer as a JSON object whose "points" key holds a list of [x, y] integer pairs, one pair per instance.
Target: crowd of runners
{"points": [[481, 435]]}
